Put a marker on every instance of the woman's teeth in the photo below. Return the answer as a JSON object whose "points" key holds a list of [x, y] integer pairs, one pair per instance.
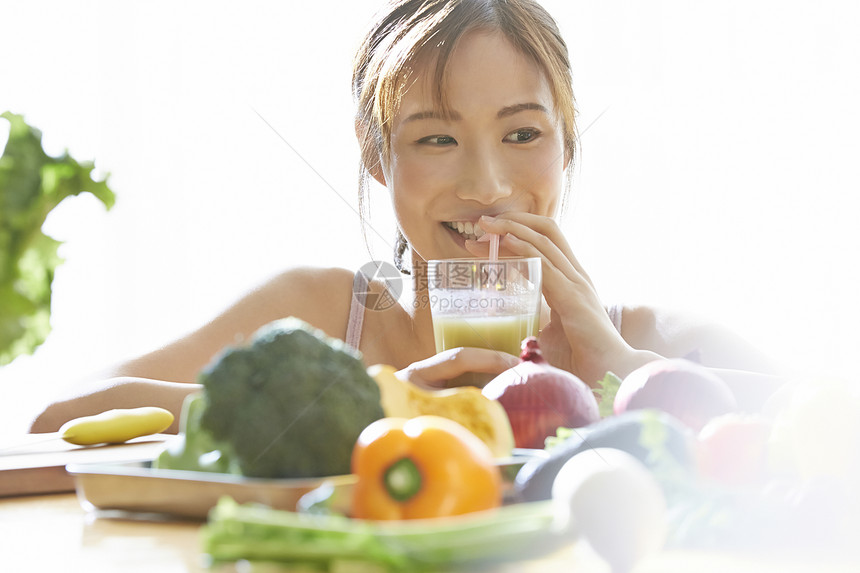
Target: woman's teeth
{"points": [[469, 230]]}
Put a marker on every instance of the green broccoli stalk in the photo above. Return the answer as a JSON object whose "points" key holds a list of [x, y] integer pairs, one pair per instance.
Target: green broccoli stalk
{"points": [[194, 449], [291, 404]]}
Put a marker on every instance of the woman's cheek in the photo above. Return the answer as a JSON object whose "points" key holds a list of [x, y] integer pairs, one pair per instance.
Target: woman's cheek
{"points": [[411, 191], [414, 174], [542, 174]]}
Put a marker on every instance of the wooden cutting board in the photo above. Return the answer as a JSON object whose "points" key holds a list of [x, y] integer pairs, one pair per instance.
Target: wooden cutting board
{"points": [[35, 463]]}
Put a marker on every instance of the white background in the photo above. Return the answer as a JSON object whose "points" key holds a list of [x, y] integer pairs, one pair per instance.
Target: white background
{"points": [[719, 175]]}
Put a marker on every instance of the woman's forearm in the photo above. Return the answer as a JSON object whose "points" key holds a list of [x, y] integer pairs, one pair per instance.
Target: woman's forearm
{"points": [[122, 392]]}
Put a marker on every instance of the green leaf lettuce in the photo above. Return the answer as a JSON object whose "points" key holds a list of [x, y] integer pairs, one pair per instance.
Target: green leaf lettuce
{"points": [[32, 184]]}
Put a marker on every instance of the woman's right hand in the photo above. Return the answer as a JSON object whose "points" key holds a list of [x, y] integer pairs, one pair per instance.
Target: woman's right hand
{"points": [[438, 370]]}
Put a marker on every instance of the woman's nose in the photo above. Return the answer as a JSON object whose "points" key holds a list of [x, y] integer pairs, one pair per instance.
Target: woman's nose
{"points": [[483, 177]]}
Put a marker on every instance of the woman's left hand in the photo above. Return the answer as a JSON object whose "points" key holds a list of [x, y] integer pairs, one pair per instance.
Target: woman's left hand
{"points": [[579, 336]]}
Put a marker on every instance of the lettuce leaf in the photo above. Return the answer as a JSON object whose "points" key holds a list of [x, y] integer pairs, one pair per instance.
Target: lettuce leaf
{"points": [[608, 387], [32, 184], [478, 541]]}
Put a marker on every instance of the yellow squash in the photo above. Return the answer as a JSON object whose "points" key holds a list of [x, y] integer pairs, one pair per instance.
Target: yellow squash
{"points": [[484, 417], [116, 426]]}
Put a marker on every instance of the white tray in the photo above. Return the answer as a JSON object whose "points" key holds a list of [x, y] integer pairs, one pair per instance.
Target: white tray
{"points": [[138, 488]]}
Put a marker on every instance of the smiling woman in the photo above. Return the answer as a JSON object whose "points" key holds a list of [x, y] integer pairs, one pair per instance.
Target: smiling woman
{"points": [[695, 159], [465, 114], [535, 59]]}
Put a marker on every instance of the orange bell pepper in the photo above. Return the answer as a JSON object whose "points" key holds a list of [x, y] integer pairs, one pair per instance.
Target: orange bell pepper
{"points": [[422, 467]]}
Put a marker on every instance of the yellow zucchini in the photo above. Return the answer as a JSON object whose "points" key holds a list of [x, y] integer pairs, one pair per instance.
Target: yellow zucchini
{"points": [[116, 426]]}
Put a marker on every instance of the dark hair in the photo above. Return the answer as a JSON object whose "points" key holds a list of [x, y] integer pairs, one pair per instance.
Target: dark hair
{"points": [[406, 33]]}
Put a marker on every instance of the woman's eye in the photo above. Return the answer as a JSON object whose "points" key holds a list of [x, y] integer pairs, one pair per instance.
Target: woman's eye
{"points": [[521, 135], [438, 140]]}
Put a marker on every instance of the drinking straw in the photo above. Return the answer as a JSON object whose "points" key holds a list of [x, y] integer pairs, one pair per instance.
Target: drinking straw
{"points": [[494, 247]]}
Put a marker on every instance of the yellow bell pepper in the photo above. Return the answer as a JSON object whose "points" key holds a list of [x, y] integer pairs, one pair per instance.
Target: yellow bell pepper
{"points": [[422, 467]]}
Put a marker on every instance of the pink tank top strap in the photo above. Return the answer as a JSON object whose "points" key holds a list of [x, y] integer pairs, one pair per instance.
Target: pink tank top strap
{"points": [[356, 310], [615, 312]]}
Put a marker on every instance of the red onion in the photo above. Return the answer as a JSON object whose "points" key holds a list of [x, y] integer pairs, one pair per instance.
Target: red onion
{"points": [[540, 398]]}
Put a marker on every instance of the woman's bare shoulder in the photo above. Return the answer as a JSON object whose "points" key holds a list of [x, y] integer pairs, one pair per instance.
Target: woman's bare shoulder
{"points": [[673, 333], [319, 296]]}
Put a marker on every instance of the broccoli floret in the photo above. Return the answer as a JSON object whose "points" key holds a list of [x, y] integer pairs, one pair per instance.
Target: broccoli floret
{"points": [[291, 404]]}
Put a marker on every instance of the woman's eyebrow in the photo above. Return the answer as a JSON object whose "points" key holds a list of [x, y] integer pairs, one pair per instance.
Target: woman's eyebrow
{"points": [[510, 110], [506, 111], [431, 114]]}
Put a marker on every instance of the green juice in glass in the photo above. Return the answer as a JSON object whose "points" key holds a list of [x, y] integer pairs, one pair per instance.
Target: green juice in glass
{"points": [[500, 333]]}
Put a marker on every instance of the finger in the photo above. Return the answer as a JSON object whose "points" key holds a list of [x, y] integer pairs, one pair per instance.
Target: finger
{"points": [[541, 237], [437, 370], [544, 247], [546, 226], [545, 235], [556, 282]]}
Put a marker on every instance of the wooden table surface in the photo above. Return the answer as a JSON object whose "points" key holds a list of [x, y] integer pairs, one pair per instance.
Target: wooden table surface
{"points": [[54, 533]]}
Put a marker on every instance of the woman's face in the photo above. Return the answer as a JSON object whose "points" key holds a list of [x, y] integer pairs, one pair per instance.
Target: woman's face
{"points": [[501, 150]]}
